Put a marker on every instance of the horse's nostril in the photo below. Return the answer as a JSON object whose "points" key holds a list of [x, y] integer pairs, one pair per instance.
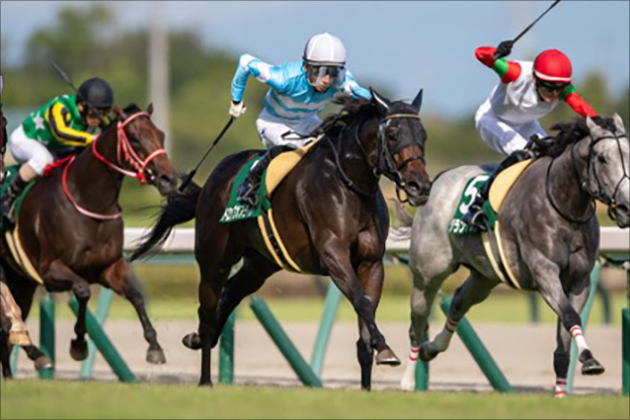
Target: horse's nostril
{"points": [[624, 209], [413, 187], [167, 180]]}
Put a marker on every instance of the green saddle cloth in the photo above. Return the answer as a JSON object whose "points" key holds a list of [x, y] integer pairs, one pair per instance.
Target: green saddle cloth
{"points": [[237, 211], [11, 173], [458, 227]]}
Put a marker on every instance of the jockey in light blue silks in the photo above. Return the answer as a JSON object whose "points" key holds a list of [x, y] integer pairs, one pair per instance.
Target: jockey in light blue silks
{"points": [[298, 92]]}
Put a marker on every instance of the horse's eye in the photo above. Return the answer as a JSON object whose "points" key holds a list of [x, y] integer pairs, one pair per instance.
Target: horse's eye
{"points": [[602, 160]]}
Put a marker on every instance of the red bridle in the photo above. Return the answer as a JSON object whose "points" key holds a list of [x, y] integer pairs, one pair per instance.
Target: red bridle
{"points": [[124, 149], [125, 154]]}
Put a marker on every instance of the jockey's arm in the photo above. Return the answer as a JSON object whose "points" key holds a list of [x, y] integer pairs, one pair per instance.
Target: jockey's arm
{"points": [[508, 71], [58, 117], [351, 88], [263, 72], [577, 103]]}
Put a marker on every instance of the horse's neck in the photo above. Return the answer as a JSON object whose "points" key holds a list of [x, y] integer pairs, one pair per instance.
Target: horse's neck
{"points": [[358, 166], [96, 185], [566, 187]]}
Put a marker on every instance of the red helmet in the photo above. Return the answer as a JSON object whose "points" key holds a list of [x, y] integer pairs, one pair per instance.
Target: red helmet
{"points": [[553, 66]]}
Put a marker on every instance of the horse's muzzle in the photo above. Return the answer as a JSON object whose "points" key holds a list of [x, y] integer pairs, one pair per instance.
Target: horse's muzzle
{"points": [[418, 193], [622, 215]]}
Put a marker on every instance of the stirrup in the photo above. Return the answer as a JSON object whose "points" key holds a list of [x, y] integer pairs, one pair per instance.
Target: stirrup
{"points": [[476, 218]]}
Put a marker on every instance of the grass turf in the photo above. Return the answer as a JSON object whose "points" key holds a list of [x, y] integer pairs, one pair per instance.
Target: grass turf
{"points": [[47, 400]]}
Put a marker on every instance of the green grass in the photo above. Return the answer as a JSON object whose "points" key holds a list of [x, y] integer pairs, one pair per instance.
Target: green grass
{"points": [[63, 400], [512, 308]]}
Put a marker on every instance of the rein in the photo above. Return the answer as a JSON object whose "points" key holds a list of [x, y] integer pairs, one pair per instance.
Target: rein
{"points": [[125, 154]]}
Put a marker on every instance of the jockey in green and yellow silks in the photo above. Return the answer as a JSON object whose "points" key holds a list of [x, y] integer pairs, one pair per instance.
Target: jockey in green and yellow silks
{"points": [[67, 121]]}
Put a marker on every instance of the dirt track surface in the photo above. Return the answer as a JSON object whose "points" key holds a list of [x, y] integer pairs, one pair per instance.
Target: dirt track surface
{"points": [[524, 353]]}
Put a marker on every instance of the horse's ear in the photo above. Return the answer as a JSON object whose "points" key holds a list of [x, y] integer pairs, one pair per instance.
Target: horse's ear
{"points": [[150, 109], [417, 103], [621, 127], [382, 104], [593, 127], [119, 113]]}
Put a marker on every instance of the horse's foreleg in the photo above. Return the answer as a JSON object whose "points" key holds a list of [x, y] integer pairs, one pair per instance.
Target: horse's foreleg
{"points": [[422, 298], [59, 272], [118, 278], [474, 291], [336, 259], [550, 288]]}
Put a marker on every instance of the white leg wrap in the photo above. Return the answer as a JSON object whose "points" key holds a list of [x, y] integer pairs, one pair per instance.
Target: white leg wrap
{"points": [[408, 382], [561, 388], [578, 336]]}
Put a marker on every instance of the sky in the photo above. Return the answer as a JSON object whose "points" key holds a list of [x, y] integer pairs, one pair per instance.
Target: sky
{"points": [[399, 46]]}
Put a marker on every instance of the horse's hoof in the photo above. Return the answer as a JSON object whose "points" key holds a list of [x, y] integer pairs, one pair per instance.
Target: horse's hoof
{"points": [[590, 366], [43, 363], [192, 341], [79, 350], [427, 352], [156, 357], [205, 384], [387, 358]]}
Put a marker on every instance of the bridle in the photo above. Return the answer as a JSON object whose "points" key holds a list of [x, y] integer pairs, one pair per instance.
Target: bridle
{"points": [[385, 161], [126, 154], [600, 194]]}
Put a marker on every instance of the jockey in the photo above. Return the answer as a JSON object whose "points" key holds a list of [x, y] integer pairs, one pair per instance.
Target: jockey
{"points": [[509, 118], [68, 121], [298, 92]]}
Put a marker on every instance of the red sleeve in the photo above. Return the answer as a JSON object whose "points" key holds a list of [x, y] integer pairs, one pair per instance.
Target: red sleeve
{"points": [[486, 55], [579, 105]]}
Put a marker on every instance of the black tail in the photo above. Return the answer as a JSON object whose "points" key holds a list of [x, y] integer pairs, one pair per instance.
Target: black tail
{"points": [[180, 207]]}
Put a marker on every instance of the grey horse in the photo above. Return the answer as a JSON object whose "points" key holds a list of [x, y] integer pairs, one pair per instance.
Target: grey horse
{"points": [[549, 231]]}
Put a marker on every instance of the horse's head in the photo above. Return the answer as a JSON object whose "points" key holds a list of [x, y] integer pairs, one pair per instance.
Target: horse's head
{"points": [[607, 155], [401, 147], [141, 147]]}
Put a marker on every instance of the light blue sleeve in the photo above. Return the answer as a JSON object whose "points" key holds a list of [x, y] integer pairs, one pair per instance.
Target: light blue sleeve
{"points": [[263, 72], [351, 88]]}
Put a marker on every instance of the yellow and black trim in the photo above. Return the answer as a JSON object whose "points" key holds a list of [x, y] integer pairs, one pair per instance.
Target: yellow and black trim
{"points": [[58, 118]]}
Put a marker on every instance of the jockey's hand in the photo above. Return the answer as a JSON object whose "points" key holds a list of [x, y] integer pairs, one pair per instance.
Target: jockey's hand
{"points": [[503, 50], [237, 109]]}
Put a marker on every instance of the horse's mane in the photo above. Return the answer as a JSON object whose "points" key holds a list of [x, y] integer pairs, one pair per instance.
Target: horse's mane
{"points": [[572, 132], [352, 112]]}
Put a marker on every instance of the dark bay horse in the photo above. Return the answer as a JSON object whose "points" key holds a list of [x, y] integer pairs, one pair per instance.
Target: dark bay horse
{"points": [[71, 228], [549, 230], [329, 209]]}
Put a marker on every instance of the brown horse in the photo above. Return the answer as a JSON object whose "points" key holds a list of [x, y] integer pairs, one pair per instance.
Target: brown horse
{"points": [[70, 224], [329, 209]]}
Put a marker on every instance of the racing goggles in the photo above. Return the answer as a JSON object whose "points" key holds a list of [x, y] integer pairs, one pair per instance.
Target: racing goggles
{"points": [[552, 86], [323, 75]]}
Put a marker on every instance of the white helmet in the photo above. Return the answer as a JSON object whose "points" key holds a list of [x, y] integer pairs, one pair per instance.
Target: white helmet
{"points": [[325, 49]]}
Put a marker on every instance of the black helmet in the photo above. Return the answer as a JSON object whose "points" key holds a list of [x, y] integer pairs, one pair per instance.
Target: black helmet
{"points": [[97, 93]]}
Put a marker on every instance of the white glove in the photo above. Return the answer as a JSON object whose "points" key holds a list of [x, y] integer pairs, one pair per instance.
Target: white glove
{"points": [[237, 109]]}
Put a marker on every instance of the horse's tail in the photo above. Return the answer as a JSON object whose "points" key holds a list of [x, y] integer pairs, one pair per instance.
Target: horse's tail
{"points": [[181, 207]]}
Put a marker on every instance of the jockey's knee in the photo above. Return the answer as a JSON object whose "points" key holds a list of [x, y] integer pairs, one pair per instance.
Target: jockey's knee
{"points": [[37, 164]]}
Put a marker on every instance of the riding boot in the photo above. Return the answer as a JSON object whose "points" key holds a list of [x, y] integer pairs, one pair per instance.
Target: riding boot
{"points": [[8, 199], [248, 190], [476, 217]]}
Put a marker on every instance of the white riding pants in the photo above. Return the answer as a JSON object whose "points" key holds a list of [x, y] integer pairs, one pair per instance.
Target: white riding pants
{"points": [[29, 151]]}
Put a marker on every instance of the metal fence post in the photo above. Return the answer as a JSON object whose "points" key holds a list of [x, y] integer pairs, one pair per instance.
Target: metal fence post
{"points": [[102, 310], [226, 354], [479, 352], [284, 343], [331, 306], [104, 345], [47, 333]]}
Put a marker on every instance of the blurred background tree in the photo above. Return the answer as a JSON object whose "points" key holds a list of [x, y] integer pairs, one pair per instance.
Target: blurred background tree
{"points": [[83, 42]]}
